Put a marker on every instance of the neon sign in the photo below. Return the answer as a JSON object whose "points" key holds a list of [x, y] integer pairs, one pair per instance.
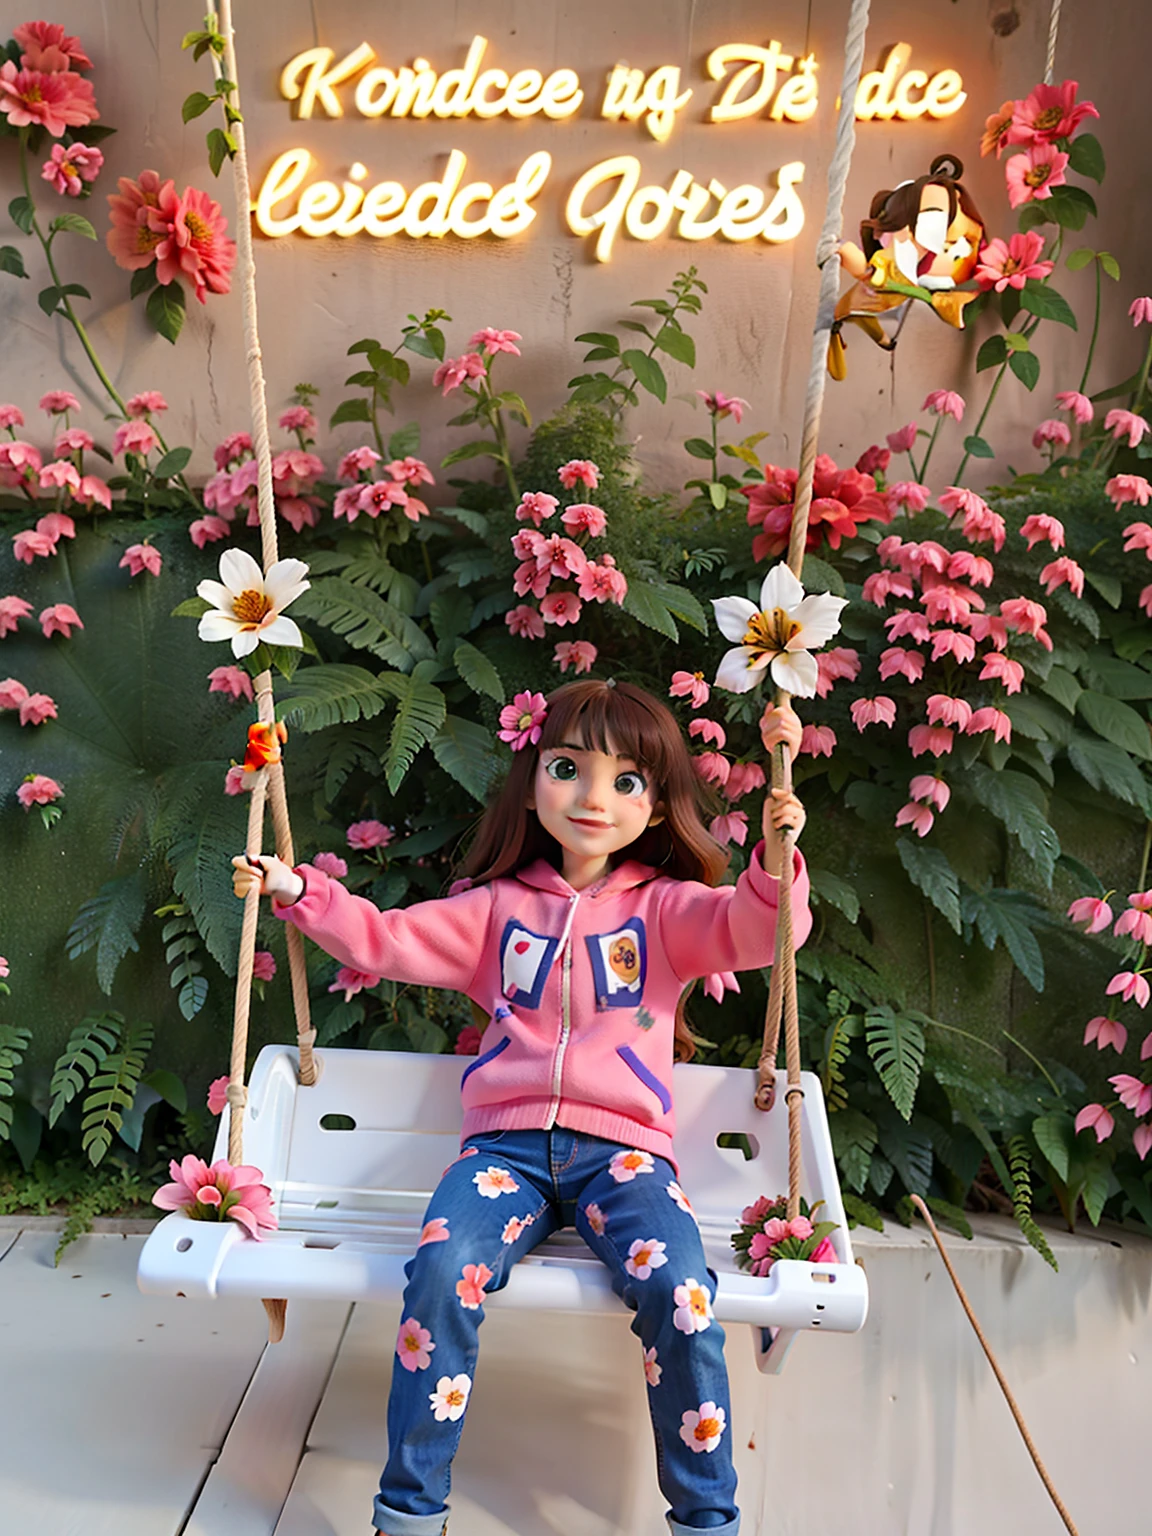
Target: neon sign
{"points": [[752, 82]]}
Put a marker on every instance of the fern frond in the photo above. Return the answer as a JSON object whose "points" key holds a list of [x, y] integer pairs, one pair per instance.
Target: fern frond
{"points": [[464, 749], [839, 1039], [896, 1046], [367, 621], [1020, 1167], [14, 1039], [112, 1089], [182, 952], [420, 712], [108, 922], [347, 752], [334, 694], [950, 1213], [87, 1048], [861, 1214], [199, 861]]}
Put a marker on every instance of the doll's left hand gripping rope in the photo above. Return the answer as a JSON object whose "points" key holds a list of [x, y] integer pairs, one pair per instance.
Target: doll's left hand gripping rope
{"points": [[269, 783]]}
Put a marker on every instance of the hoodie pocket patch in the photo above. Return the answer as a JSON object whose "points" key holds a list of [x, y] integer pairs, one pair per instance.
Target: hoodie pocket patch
{"points": [[619, 964], [630, 1059], [488, 1056]]}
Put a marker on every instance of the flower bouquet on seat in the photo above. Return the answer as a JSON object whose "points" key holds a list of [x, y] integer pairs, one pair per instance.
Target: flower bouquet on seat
{"points": [[766, 1235], [217, 1192]]}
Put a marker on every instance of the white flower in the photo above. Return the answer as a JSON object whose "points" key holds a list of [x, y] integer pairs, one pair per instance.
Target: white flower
{"points": [[248, 606], [450, 1397], [779, 634]]}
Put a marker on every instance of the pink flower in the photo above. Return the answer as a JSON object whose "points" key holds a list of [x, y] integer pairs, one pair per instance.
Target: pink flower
{"points": [[720, 405], [470, 1289], [37, 708], [944, 710], [1106, 1032], [207, 530], [996, 128], [142, 557], [18, 461], [743, 778], [1051, 431], [708, 730], [1023, 615], [818, 740], [896, 661], [603, 583], [1122, 488], [1011, 265], [219, 1191], [12, 693], [1141, 900], [263, 965], [68, 169], [1060, 573], [583, 517], [950, 642], [1096, 1118], [904, 440], [229, 453], [217, 1095], [193, 244], [1140, 311], [1133, 1094], [560, 608], [91, 489], [492, 341], [990, 719], [536, 505], [877, 711], [910, 495], [1040, 526], [455, 370], [945, 402], [59, 100], [1049, 113], [60, 619], [363, 835], [350, 981], [57, 402], [353, 464], [436, 1230], [60, 473], [1145, 600], [347, 503], [1128, 984], [11, 416], [38, 789], [927, 787], [34, 541], [131, 240], [134, 437], [526, 622], [47, 46], [148, 402], [231, 680], [12, 610], [1138, 536], [1136, 923], [874, 460], [1142, 1140], [916, 816], [946, 604], [732, 827], [884, 584], [1034, 174], [1125, 424], [937, 739], [236, 781], [980, 522], [414, 1345], [841, 662], [1078, 406], [330, 864], [1006, 671], [298, 418], [523, 720], [712, 767], [690, 685], [580, 655], [579, 472], [468, 1041]]}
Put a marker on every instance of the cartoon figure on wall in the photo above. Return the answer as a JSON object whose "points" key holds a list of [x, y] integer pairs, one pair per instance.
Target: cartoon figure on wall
{"points": [[921, 240]]}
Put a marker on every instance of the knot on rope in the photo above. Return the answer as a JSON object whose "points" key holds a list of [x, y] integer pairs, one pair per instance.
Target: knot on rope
{"points": [[306, 1039], [826, 249], [237, 1096], [765, 1096], [794, 1092]]}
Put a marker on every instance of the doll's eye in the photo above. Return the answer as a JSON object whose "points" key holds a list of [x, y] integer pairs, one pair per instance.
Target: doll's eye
{"points": [[562, 768], [631, 784]]}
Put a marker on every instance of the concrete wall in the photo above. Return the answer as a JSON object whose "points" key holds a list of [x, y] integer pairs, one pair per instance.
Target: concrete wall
{"points": [[318, 296]]}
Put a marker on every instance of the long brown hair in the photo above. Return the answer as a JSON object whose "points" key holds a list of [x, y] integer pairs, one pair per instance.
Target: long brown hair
{"points": [[899, 207]]}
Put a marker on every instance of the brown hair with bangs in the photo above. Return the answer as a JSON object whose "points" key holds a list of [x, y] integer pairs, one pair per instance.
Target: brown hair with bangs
{"points": [[603, 717]]}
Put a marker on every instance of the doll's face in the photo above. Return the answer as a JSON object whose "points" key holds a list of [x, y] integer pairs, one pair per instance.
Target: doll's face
{"points": [[961, 249], [593, 803]]}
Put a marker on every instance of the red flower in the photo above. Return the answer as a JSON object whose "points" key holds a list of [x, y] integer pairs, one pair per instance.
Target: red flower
{"points": [[841, 500], [59, 100], [1010, 266], [193, 242], [1051, 112]]}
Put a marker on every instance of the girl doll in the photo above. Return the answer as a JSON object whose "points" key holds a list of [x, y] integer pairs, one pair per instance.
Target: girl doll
{"points": [[592, 905]]}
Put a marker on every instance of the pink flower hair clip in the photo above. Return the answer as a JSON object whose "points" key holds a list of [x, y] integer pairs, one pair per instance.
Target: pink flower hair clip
{"points": [[523, 720]]}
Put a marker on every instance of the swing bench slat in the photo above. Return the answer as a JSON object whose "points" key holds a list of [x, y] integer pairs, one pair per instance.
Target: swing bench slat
{"points": [[353, 1159]]}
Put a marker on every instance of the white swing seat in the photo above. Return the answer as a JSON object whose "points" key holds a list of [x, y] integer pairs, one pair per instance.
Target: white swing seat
{"points": [[353, 1159]]}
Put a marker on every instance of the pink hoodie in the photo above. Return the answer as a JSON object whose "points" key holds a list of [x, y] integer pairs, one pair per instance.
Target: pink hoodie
{"points": [[581, 986]]}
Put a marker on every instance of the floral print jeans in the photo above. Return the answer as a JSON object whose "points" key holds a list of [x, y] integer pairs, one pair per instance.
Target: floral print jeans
{"points": [[506, 1192]]}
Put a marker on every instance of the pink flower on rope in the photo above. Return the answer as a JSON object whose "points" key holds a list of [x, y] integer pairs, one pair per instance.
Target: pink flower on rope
{"points": [[897, 661], [350, 981], [1133, 1094], [1122, 488], [904, 440], [918, 817], [1039, 526], [1051, 431], [493, 341], [142, 557], [60, 619], [579, 472], [580, 655], [937, 739], [233, 681], [149, 402], [1010, 265], [877, 711], [818, 740], [690, 685], [453, 372], [1106, 1032], [1078, 406], [38, 789], [522, 720], [1130, 986], [1034, 174], [213, 1193], [1096, 1118], [721, 405], [1061, 573], [945, 402], [731, 827], [330, 864], [583, 517], [535, 506], [1005, 671], [708, 730], [364, 835], [526, 622], [930, 789], [1127, 424], [1140, 311]]}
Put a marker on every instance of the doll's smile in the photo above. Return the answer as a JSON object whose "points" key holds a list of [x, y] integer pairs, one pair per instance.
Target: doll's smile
{"points": [[593, 803]]}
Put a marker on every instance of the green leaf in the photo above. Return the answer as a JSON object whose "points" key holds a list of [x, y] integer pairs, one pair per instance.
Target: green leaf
{"points": [[862, 1214], [405, 441], [1079, 610], [165, 310], [422, 347], [1108, 587], [14, 1041], [22, 211], [143, 279], [978, 448], [1063, 687], [681, 603], [195, 105], [718, 495], [1117, 722], [698, 447], [909, 1150], [107, 922], [644, 603], [1026, 367], [112, 1090], [1009, 916], [333, 694], [600, 339], [174, 462], [73, 223], [930, 870], [1109, 674], [88, 1045], [853, 1142], [366, 621], [420, 712], [1018, 801], [1080, 259], [836, 892], [479, 447], [821, 577], [170, 1088], [1095, 1191], [464, 749], [1086, 157], [649, 374], [478, 672], [677, 343], [357, 409], [220, 146], [991, 354], [1041, 300], [12, 261], [1070, 207], [1110, 264], [451, 614], [896, 1046], [1108, 768], [191, 608], [1056, 1137], [49, 299]]}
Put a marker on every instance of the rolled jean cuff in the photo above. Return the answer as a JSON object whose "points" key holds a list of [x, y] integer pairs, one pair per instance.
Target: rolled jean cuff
{"points": [[732, 1528], [393, 1522]]}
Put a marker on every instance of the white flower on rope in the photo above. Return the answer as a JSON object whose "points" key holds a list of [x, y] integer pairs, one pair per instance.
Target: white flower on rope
{"points": [[778, 636]]}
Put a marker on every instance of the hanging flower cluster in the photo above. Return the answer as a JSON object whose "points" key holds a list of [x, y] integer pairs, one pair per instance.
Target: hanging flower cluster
{"points": [[1037, 131], [766, 1235]]}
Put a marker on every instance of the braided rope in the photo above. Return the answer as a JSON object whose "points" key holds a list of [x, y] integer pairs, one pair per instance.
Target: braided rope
{"points": [[782, 993], [1053, 34]]}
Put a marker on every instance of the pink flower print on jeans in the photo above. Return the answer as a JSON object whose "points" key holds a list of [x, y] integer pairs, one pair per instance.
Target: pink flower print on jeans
{"points": [[414, 1345], [626, 1165], [514, 1227], [645, 1255], [450, 1397], [470, 1289], [702, 1428], [596, 1219], [434, 1231], [493, 1182], [693, 1310], [675, 1193], [652, 1369]]}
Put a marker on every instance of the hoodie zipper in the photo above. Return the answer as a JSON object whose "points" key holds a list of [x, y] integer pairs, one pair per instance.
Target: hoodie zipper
{"points": [[565, 1012]]}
